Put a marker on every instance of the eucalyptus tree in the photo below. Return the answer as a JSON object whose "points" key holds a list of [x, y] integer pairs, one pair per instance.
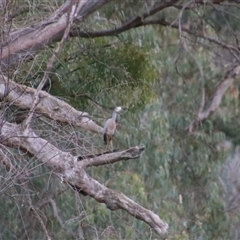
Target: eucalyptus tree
{"points": [[172, 64]]}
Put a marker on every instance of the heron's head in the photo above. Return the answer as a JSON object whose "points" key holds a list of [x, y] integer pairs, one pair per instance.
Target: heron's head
{"points": [[118, 109]]}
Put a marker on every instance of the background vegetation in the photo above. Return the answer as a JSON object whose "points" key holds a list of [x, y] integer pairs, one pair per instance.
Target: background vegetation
{"points": [[158, 74]]}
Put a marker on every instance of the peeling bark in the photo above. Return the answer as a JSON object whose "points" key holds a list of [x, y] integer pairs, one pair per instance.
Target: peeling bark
{"points": [[73, 172]]}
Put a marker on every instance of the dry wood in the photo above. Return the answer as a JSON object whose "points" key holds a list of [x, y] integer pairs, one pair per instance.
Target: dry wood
{"points": [[73, 173], [48, 105], [23, 44]]}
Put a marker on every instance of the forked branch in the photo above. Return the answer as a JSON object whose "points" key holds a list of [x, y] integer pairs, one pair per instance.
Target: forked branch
{"points": [[67, 167]]}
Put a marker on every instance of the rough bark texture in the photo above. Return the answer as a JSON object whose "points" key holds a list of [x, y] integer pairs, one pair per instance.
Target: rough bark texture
{"points": [[22, 45], [49, 106], [73, 172]]}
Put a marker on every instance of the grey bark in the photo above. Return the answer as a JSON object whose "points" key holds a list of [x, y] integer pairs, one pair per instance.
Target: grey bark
{"points": [[68, 168]]}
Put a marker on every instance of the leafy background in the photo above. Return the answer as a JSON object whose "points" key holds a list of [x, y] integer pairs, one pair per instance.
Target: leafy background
{"points": [[189, 180]]}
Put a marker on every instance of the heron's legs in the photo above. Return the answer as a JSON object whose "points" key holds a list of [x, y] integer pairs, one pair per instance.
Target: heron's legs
{"points": [[109, 146], [111, 143]]}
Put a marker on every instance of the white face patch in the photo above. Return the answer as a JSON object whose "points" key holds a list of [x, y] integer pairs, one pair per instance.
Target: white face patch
{"points": [[118, 109]]}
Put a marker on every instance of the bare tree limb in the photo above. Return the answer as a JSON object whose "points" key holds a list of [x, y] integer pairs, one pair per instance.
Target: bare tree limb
{"points": [[110, 158], [51, 107], [24, 43], [51, 63], [140, 23], [218, 95], [75, 8], [66, 166], [133, 23]]}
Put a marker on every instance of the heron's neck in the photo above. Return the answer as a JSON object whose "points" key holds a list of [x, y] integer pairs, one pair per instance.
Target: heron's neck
{"points": [[114, 116]]}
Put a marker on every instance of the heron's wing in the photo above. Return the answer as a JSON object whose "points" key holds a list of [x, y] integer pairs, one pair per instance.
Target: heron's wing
{"points": [[105, 138], [110, 127]]}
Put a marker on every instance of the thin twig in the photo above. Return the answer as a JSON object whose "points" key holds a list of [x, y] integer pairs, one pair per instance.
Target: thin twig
{"points": [[50, 64]]}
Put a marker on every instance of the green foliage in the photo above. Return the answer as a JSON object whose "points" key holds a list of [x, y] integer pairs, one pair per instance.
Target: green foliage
{"points": [[158, 77], [99, 70]]}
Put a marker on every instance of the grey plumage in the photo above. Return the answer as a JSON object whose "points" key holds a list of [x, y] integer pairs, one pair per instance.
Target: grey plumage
{"points": [[110, 126]]}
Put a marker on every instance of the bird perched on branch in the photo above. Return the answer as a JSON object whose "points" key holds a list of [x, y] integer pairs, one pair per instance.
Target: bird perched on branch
{"points": [[110, 127]]}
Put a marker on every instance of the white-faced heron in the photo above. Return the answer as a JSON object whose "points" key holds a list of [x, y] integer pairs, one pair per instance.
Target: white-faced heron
{"points": [[110, 127]]}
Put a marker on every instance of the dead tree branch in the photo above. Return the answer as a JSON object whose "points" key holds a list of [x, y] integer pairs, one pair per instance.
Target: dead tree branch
{"points": [[141, 23], [22, 44], [133, 23], [51, 63], [216, 101], [67, 167], [51, 107], [116, 31], [110, 158]]}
